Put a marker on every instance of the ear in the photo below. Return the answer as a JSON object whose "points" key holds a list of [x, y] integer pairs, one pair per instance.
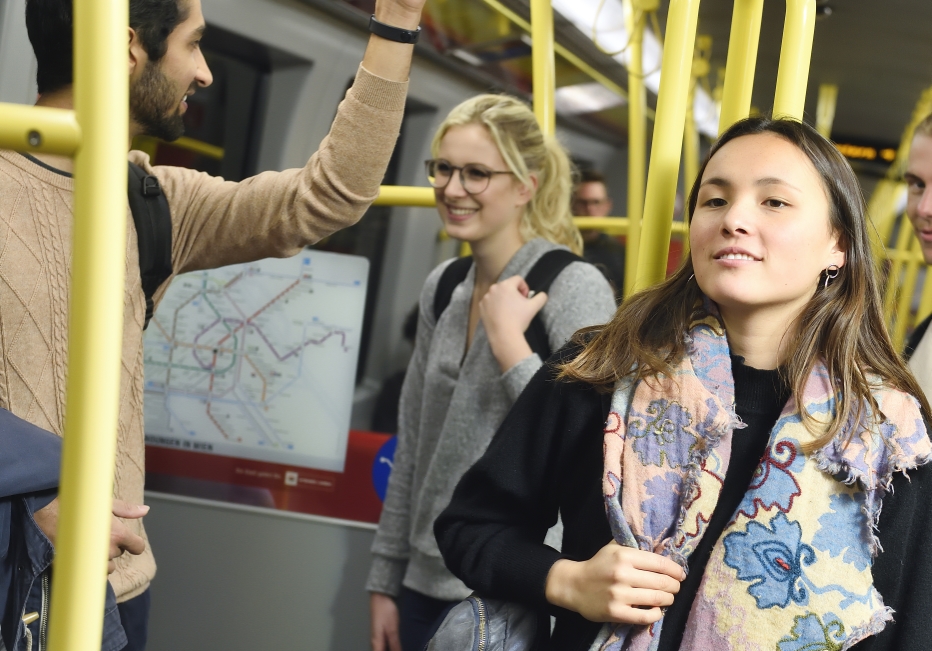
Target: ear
{"points": [[527, 190], [838, 255], [138, 57]]}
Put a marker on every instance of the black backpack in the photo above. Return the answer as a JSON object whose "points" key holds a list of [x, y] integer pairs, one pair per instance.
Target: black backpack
{"points": [[538, 279], [153, 220]]}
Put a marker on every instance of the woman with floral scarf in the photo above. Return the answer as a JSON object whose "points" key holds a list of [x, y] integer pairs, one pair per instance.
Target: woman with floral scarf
{"points": [[730, 453]]}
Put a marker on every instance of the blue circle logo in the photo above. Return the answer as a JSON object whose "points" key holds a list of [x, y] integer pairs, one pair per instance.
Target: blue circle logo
{"points": [[382, 466]]}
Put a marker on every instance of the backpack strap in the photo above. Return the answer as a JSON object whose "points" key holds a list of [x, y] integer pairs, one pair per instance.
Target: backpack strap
{"points": [[453, 275], [152, 217], [539, 279]]}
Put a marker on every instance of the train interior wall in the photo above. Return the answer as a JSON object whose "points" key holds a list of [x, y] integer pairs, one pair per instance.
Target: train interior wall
{"points": [[238, 578]]}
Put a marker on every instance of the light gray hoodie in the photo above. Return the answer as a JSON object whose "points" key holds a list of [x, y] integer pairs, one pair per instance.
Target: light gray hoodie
{"points": [[451, 407]]}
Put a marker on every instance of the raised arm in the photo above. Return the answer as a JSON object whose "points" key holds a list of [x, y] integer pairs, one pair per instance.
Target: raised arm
{"points": [[275, 214]]}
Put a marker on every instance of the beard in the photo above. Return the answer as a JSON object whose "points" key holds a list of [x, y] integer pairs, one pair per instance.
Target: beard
{"points": [[154, 106]]}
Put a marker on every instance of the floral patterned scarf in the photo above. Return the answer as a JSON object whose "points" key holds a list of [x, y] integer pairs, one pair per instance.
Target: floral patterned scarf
{"points": [[791, 570]]}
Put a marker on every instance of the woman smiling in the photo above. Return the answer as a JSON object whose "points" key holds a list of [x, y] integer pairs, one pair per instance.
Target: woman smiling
{"points": [[504, 188], [720, 451]]}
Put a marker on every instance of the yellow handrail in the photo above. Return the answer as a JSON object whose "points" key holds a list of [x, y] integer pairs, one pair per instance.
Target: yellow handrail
{"points": [[401, 195], [544, 68], [825, 109], [40, 129], [637, 140], [795, 54], [616, 225], [741, 61], [101, 88], [574, 60], [675, 73]]}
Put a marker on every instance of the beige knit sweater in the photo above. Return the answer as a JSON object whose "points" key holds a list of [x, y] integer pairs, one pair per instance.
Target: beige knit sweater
{"points": [[214, 223]]}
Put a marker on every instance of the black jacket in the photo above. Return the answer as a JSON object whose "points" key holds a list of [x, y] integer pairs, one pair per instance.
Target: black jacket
{"points": [[29, 463], [913, 342], [547, 456]]}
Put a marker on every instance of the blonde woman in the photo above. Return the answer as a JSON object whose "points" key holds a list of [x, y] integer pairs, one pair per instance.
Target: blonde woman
{"points": [[504, 187]]}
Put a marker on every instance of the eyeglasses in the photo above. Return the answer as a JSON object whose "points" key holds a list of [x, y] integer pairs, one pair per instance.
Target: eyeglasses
{"points": [[473, 177]]}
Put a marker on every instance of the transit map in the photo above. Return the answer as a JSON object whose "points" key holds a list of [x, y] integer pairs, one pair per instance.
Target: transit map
{"points": [[258, 361]]}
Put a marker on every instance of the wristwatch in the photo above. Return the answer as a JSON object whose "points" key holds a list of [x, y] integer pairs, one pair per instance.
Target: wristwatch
{"points": [[394, 33]]}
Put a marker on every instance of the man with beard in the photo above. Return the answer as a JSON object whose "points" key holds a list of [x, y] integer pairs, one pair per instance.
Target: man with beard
{"points": [[918, 179], [590, 199], [214, 222]]}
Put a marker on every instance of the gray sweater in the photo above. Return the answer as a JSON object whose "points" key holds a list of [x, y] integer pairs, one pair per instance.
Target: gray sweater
{"points": [[452, 405]]}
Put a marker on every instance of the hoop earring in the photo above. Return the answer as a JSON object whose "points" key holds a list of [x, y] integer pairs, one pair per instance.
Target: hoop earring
{"points": [[831, 273]]}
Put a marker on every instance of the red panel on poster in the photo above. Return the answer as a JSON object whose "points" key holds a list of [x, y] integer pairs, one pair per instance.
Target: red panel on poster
{"points": [[350, 495]]}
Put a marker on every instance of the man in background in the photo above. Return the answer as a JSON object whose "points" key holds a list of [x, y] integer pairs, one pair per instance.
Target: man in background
{"points": [[918, 179], [591, 199]]}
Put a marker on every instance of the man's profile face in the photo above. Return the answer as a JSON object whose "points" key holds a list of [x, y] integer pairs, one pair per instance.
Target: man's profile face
{"points": [[591, 200], [918, 178], [159, 90]]}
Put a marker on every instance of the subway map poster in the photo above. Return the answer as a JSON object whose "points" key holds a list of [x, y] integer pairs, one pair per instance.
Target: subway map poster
{"points": [[258, 362]]}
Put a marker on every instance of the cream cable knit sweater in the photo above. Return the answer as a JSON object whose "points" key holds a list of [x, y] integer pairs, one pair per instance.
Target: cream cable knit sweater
{"points": [[214, 223]]}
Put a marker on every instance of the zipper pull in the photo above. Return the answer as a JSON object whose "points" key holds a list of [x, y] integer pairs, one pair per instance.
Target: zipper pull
{"points": [[29, 618]]}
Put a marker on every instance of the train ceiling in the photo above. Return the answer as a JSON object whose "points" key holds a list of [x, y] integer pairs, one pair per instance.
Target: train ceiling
{"points": [[878, 53]]}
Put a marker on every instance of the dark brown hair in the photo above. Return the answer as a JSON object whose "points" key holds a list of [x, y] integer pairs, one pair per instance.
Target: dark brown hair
{"points": [[49, 24], [842, 324]]}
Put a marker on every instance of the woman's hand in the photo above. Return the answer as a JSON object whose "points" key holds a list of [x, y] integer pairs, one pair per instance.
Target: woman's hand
{"points": [[383, 613], [618, 584], [506, 312]]}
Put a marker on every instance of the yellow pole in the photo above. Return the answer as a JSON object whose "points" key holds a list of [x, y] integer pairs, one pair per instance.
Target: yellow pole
{"points": [[825, 109], [544, 77], [742, 58], [675, 74], [38, 128], [637, 141], [96, 324], [896, 269], [571, 58], [907, 290], [400, 195], [795, 52]]}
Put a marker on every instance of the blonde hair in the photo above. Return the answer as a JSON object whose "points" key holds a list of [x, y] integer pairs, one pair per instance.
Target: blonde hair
{"points": [[526, 150], [924, 128]]}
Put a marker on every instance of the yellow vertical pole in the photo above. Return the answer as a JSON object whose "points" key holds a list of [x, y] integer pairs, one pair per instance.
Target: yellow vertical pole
{"points": [[95, 328], [742, 58], [825, 109], [795, 54], [894, 279], [637, 141], [700, 69], [675, 74], [907, 290], [544, 71]]}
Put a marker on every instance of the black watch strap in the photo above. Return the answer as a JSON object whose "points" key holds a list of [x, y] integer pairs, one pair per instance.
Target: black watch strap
{"points": [[393, 33]]}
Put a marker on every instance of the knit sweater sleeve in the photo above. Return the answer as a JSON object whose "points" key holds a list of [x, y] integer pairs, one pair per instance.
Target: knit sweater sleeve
{"points": [[579, 297], [391, 547], [903, 570], [491, 534], [275, 214]]}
